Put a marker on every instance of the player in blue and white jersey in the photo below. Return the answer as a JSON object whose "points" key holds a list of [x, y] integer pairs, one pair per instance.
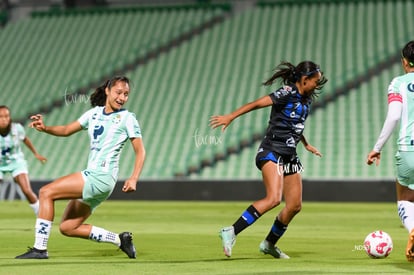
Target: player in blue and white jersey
{"points": [[12, 159], [109, 127], [401, 109], [276, 157]]}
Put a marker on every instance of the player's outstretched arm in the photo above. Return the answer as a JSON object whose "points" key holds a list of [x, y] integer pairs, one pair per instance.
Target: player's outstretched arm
{"points": [[61, 130], [30, 145], [225, 120]]}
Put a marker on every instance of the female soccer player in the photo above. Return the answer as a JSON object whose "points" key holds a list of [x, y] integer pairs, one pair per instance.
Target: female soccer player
{"points": [[12, 158], [109, 127], [276, 157], [401, 108]]}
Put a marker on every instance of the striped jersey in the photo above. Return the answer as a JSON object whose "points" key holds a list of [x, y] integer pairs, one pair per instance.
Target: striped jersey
{"points": [[10, 145], [401, 89], [108, 134]]}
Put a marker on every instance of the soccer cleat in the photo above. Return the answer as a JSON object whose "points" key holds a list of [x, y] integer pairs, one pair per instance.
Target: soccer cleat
{"points": [[266, 248], [33, 253], [228, 239], [126, 244]]}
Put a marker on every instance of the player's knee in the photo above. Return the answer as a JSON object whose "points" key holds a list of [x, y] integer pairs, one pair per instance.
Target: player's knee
{"points": [[45, 193], [294, 209], [66, 229], [272, 202]]}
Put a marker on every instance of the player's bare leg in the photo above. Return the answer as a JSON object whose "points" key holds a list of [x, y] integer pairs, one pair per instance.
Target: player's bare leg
{"points": [[409, 252]]}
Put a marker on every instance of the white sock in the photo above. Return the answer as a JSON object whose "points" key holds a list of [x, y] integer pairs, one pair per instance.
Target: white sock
{"points": [[35, 207], [101, 235], [406, 213], [42, 233]]}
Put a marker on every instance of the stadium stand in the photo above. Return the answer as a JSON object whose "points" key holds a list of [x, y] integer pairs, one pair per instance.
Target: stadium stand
{"points": [[213, 71], [344, 131], [54, 58]]}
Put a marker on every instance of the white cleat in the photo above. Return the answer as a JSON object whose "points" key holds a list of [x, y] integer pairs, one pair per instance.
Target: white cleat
{"points": [[228, 239], [266, 248]]}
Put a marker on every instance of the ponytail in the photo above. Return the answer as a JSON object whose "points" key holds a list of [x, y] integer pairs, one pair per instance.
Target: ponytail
{"points": [[98, 98], [286, 71], [290, 74]]}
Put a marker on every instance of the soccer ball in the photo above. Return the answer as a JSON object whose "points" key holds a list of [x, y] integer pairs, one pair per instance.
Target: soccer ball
{"points": [[378, 244]]}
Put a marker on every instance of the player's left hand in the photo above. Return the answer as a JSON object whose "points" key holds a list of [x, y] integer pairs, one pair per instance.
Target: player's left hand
{"points": [[313, 150], [130, 185], [41, 158], [373, 157]]}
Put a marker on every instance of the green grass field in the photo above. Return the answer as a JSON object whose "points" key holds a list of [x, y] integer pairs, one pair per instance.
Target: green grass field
{"points": [[182, 238]]}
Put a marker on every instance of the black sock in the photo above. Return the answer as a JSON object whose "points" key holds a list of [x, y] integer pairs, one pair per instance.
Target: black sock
{"points": [[276, 232], [249, 216]]}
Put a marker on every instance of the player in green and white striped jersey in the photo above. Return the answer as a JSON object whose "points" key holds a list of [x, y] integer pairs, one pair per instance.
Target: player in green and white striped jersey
{"points": [[401, 109], [109, 128], [12, 159]]}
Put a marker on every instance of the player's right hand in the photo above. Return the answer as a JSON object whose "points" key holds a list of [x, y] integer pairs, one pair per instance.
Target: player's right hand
{"points": [[37, 122]]}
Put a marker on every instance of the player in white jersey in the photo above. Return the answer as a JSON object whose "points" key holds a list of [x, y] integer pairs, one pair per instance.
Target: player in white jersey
{"points": [[109, 128], [401, 109], [12, 158]]}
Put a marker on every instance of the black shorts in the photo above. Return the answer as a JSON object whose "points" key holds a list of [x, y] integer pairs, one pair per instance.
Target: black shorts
{"points": [[291, 164]]}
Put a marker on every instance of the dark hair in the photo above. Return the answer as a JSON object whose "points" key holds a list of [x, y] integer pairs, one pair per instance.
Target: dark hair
{"points": [[8, 128], [290, 74], [98, 98], [408, 53]]}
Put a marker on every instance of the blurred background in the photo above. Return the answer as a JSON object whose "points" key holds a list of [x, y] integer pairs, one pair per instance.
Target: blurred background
{"points": [[188, 60]]}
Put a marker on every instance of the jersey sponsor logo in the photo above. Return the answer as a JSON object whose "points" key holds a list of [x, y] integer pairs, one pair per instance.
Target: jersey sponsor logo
{"points": [[296, 111], [5, 151], [394, 97], [299, 127], [290, 142], [97, 131], [287, 88], [284, 91]]}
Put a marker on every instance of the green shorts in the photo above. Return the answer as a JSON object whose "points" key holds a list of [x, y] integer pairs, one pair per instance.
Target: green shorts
{"points": [[404, 162], [97, 188], [16, 168]]}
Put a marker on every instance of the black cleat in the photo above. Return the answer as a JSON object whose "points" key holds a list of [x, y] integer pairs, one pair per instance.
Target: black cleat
{"points": [[33, 253], [126, 244]]}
